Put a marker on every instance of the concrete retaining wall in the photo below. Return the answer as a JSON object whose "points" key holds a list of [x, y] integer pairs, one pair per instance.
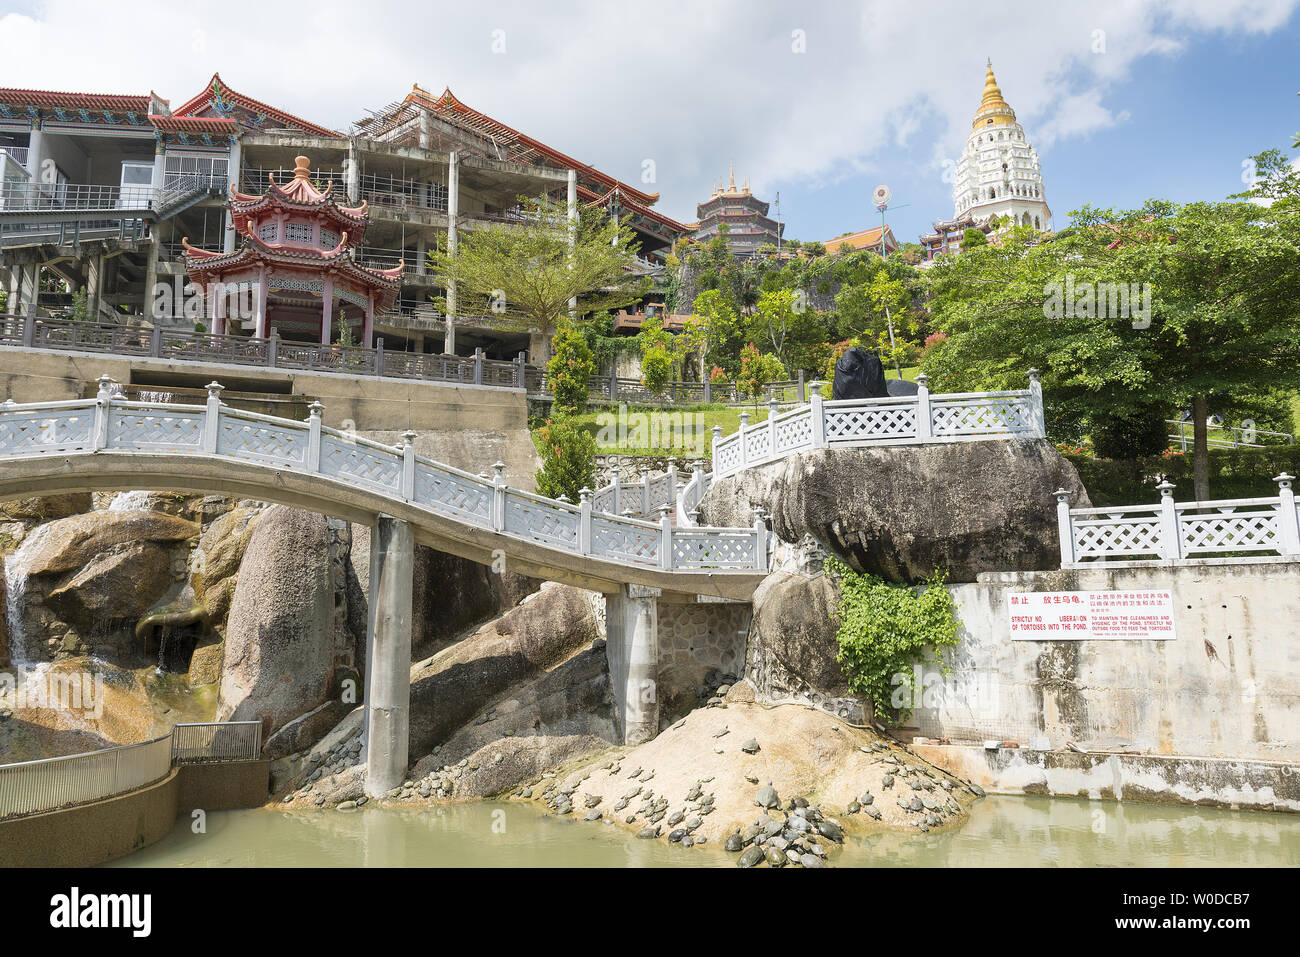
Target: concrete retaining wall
{"points": [[1228, 686], [91, 834]]}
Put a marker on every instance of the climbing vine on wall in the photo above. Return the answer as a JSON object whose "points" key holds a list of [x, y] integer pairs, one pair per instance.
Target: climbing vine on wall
{"points": [[887, 629]]}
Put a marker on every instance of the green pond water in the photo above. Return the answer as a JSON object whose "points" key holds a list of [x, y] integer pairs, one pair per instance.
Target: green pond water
{"points": [[1002, 831]]}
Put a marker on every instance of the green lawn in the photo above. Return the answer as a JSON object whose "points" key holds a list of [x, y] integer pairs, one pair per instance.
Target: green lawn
{"points": [[680, 432]]}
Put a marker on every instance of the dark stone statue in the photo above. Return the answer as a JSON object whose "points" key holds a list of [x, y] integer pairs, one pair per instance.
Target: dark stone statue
{"points": [[859, 375]]}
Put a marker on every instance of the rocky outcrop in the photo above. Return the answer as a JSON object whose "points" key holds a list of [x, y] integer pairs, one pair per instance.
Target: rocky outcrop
{"points": [[216, 560], [454, 685], [88, 578], [45, 508], [792, 645], [901, 512], [280, 636]]}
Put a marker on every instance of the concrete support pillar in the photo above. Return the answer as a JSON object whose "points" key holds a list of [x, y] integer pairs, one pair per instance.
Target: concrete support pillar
{"points": [[453, 210], [573, 228], [388, 655], [632, 649], [229, 237], [151, 276], [35, 151], [352, 174], [94, 285], [368, 326]]}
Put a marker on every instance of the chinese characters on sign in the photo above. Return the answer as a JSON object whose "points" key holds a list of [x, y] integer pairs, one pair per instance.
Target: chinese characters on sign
{"points": [[1080, 615]]}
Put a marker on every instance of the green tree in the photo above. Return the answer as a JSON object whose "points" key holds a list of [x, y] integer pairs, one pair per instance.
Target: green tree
{"points": [[526, 272], [757, 369], [973, 237], [568, 456], [569, 372], [658, 355], [709, 326], [1207, 296]]}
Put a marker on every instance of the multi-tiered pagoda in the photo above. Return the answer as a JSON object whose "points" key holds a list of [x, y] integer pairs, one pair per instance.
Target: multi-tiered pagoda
{"points": [[297, 256]]}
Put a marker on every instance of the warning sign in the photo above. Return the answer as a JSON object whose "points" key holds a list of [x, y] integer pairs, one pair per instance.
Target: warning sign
{"points": [[1081, 615]]}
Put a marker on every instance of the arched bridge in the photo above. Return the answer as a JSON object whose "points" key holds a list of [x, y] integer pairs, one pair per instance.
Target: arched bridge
{"points": [[111, 443]]}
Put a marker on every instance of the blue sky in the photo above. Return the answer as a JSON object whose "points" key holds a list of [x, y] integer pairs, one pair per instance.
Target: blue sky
{"points": [[821, 99]]}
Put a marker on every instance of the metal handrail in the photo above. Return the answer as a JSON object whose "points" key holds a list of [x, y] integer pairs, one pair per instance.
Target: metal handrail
{"points": [[47, 784]]}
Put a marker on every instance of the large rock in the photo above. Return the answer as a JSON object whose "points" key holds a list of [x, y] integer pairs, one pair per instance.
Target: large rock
{"points": [[216, 561], [45, 508], [901, 512], [86, 579], [792, 646], [545, 629], [280, 636]]}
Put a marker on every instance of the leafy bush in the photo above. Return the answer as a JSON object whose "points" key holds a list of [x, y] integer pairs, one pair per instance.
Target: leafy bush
{"points": [[568, 373], [1130, 433], [568, 459], [757, 369], [886, 629]]}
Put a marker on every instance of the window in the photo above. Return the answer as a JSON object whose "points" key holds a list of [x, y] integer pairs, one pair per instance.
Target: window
{"points": [[212, 168], [266, 232], [297, 232], [328, 239]]}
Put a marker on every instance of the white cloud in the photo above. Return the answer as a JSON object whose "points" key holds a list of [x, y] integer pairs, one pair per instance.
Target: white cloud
{"points": [[689, 85]]}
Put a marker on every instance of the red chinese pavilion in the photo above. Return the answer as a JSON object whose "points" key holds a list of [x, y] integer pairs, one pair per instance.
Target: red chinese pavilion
{"points": [[296, 256]]}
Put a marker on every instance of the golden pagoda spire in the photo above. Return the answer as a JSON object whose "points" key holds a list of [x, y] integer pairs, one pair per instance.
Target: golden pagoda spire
{"points": [[993, 109], [731, 187]]}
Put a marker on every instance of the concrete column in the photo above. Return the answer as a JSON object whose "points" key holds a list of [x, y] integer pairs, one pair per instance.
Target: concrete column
{"points": [[352, 175], [388, 655], [35, 151], [151, 274], [229, 237], [632, 649], [94, 286], [368, 326], [573, 227], [453, 210]]}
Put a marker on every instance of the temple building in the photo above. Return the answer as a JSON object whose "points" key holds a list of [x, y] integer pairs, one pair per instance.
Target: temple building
{"points": [[999, 180], [878, 239], [117, 196], [297, 253], [744, 215], [998, 173]]}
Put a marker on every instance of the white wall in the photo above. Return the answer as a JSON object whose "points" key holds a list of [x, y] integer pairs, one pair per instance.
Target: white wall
{"points": [[1227, 686]]}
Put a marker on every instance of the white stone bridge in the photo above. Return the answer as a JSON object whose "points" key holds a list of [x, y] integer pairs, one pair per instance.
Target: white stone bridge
{"points": [[109, 443]]}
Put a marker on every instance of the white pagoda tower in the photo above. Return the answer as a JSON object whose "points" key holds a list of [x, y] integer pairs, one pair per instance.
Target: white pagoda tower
{"points": [[998, 173]]}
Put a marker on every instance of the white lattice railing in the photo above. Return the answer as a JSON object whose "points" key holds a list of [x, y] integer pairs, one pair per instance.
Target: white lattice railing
{"points": [[643, 497], [110, 423], [1170, 531], [901, 420], [688, 502]]}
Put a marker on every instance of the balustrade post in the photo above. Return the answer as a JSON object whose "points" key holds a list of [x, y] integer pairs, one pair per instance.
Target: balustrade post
{"points": [[924, 420], [760, 541], [584, 521], [818, 413], [521, 372], [665, 539], [1288, 520], [478, 366], [744, 455], [103, 403], [155, 341], [312, 462], [499, 496], [408, 465], [613, 384], [212, 418], [1036, 405], [1064, 527], [672, 479], [717, 437], [1171, 540], [801, 388], [29, 324], [645, 490], [773, 408], [272, 347]]}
